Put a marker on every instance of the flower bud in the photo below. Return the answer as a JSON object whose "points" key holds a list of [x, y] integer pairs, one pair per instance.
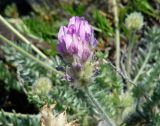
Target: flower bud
{"points": [[134, 21], [42, 86]]}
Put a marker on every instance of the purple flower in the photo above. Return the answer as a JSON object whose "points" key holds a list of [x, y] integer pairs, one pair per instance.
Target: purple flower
{"points": [[76, 40], [75, 44]]}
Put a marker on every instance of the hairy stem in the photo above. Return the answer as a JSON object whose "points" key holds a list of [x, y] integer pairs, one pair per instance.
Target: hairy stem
{"points": [[9, 26], [143, 65], [45, 65], [129, 57], [130, 47], [117, 34], [18, 115], [98, 106]]}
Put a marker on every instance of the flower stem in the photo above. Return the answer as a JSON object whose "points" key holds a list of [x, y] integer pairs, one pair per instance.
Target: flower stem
{"points": [[98, 106], [130, 47], [117, 35], [45, 65], [9, 26], [129, 57]]}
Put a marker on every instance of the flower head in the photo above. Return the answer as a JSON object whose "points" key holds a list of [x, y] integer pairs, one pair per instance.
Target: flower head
{"points": [[76, 40], [134, 21]]}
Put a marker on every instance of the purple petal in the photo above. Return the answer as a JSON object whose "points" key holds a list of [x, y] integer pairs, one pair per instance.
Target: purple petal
{"points": [[88, 28], [87, 37], [82, 31], [76, 22], [72, 21], [61, 48], [72, 29], [68, 40], [62, 32], [73, 49], [93, 41], [85, 55]]}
